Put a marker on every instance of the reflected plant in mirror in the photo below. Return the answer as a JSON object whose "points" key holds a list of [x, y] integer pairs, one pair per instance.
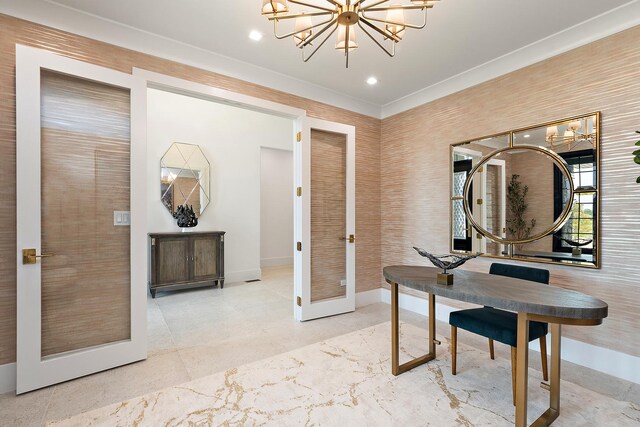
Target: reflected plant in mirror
{"points": [[518, 226], [184, 179], [555, 220]]}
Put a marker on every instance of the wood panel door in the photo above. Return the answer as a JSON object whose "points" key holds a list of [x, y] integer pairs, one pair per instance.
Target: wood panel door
{"points": [[81, 297]]}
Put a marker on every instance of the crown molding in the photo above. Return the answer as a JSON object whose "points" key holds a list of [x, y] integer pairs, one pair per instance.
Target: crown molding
{"points": [[606, 24], [97, 28]]}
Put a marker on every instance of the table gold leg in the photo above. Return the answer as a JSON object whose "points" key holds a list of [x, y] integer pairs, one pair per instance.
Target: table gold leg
{"points": [[522, 367], [553, 412], [395, 331], [396, 368]]}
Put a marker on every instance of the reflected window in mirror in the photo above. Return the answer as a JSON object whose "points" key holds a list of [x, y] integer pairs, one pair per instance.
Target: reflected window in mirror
{"points": [[577, 236]]}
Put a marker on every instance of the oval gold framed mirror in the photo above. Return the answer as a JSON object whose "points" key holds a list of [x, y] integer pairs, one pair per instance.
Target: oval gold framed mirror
{"points": [[522, 215]]}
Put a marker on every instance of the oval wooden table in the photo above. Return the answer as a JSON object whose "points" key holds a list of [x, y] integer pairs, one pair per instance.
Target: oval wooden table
{"points": [[531, 300]]}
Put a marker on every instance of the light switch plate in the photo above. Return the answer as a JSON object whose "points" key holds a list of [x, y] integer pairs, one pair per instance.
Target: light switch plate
{"points": [[122, 218]]}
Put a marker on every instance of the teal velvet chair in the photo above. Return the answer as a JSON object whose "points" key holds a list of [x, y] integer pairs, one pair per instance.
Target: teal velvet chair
{"points": [[500, 325]]}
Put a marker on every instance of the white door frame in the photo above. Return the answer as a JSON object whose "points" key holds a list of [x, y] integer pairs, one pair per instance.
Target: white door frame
{"points": [[188, 88], [32, 371], [348, 303]]}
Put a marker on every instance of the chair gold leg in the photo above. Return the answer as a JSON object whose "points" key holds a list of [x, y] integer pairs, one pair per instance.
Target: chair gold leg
{"points": [[543, 357], [513, 373], [454, 348], [522, 378], [491, 353]]}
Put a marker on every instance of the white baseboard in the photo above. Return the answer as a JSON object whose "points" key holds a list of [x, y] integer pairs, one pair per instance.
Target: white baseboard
{"points": [[368, 297], [242, 276], [274, 262], [611, 362], [7, 378]]}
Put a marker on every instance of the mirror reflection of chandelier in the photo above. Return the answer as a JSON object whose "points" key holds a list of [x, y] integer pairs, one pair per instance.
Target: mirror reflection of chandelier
{"points": [[576, 131], [373, 17]]}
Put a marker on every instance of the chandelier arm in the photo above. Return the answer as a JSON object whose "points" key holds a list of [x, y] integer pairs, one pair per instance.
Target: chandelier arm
{"points": [[373, 5], [315, 6], [414, 26], [391, 54], [315, 36], [319, 46], [294, 32], [403, 7], [335, 3], [383, 33], [298, 15], [347, 42]]}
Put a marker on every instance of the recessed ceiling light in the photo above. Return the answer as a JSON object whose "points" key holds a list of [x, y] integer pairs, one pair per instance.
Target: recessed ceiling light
{"points": [[527, 136], [255, 35], [372, 80]]}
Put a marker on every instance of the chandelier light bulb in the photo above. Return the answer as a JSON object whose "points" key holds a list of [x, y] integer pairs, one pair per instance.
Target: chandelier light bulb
{"points": [[396, 17], [552, 133], [342, 34], [274, 6], [302, 29]]}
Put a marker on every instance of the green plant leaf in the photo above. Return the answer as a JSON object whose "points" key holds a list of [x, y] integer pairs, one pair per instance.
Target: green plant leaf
{"points": [[637, 142], [637, 152], [637, 160], [638, 180]]}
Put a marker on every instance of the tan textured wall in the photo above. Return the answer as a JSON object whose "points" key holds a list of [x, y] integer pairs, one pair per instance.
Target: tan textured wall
{"points": [[14, 31], [328, 214], [602, 76]]}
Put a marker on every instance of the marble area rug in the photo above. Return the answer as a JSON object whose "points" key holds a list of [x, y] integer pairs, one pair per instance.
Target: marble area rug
{"points": [[347, 381]]}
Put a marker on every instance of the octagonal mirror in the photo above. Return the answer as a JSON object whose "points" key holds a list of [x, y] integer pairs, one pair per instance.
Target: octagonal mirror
{"points": [[184, 178]]}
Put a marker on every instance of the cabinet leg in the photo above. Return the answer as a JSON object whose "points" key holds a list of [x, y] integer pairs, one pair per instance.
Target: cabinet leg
{"points": [[153, 293], [221, 282]]}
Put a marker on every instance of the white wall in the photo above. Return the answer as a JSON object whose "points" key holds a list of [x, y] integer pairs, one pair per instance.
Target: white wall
{"points": [[231, 138], [276, 207]]}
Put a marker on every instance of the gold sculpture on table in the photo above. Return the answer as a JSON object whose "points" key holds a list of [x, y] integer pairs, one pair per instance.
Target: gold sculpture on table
{"points": [[445, 262]]}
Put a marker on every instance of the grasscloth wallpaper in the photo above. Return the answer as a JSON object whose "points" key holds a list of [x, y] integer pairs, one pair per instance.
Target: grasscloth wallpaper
{"points": [[602, 76], [14, 31]]}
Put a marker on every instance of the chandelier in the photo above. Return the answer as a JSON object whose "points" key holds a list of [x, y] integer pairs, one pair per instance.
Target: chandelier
{"points": [[373, 17], [576, 131]]}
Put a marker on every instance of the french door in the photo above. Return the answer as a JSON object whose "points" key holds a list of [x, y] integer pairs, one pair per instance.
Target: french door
{"points": [[329, 240], [81, 220]]}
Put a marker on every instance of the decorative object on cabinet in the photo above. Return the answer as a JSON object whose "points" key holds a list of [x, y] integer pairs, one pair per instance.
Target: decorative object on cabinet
{"points": [[445, 262], [185, 216], [184, 178], [186, 260], [560, 164]]}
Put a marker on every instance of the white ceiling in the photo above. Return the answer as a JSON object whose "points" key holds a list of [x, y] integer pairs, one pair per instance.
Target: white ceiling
{"points": [[461, 35]]}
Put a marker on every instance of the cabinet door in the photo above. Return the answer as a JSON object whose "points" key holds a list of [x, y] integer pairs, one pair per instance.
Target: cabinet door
{"points": [[172, 260], [205, 257]]}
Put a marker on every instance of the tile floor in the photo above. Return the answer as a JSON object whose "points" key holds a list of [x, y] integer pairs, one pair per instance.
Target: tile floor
{"points": [[203, 331]]}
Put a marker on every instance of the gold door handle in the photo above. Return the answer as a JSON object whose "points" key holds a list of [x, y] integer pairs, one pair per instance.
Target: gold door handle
{"points": [[29, 256], [352, 238]]}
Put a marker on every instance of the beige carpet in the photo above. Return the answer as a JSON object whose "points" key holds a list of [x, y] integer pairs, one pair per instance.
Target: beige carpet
{"points": [[347, 381]]}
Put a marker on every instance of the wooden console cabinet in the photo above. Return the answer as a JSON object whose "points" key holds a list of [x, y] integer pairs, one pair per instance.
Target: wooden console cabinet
{"points": [[186, 260]]}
